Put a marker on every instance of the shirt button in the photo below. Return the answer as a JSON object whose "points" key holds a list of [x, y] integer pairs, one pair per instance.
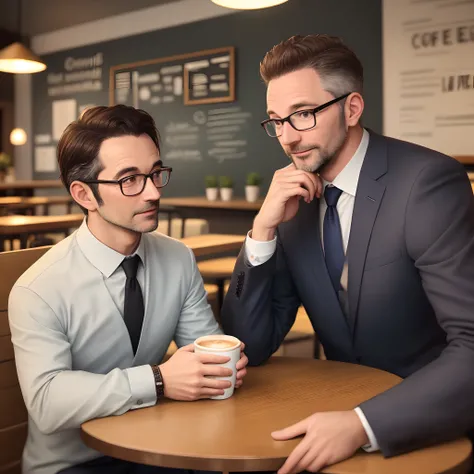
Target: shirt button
{"points": [[139, 402]]}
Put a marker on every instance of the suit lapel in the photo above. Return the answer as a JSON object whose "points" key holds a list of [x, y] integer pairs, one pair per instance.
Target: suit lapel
{"points": [[369, 196]]}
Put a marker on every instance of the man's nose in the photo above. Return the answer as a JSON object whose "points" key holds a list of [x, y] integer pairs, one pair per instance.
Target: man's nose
{"points": [[289, 135], [151, 192]]}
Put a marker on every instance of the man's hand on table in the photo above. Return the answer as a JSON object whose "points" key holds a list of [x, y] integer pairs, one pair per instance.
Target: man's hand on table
{"points": [[329, 437]]}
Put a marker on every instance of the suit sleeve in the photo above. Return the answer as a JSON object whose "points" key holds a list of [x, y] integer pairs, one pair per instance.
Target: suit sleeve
{"points": [[57, 396], [436, 403], [261, 305]]}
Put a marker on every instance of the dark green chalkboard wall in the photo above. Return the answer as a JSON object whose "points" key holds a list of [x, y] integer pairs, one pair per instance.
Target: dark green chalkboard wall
{"points": [[252, 33]]}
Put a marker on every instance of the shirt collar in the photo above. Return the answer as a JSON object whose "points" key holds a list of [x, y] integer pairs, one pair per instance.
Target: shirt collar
{"points": [[104, 258], [348, 178]]}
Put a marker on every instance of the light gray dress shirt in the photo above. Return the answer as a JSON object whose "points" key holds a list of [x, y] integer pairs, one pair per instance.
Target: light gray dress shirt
{"points": [[347, 180], [72, 349]]}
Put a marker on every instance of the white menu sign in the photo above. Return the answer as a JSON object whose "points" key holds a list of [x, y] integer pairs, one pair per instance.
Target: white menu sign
{"points": [[428, 57]]}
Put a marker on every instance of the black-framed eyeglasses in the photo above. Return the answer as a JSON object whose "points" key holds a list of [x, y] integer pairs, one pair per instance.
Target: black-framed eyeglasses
{"points": [[300, 120], [135, 184]]}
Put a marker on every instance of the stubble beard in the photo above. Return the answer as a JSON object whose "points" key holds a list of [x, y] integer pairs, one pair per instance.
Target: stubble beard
{"points": [[321, 157], [152, 219]]}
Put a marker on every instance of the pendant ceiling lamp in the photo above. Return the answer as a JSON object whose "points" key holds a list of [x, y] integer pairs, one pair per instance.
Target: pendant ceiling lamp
{"points": [[17, 58], [248, 4]]}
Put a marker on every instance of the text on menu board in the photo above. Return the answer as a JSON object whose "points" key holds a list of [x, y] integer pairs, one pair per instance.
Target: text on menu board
{"points": [[203, 77]]}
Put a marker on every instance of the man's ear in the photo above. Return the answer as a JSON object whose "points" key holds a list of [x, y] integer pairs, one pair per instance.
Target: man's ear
{"points": [[353, 109], [83, 195]]}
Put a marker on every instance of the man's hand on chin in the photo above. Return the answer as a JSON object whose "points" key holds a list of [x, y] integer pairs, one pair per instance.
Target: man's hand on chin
{"points": [[329, 437]]}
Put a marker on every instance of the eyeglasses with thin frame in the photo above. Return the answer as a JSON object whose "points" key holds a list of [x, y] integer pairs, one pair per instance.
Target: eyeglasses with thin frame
{"points": [[300, 120], [135, 184]]}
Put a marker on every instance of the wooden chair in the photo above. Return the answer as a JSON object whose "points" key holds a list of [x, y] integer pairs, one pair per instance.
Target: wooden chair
{"points": [[218, 271], [166, 215], [211, 291], [13, 415], [183, 228]]}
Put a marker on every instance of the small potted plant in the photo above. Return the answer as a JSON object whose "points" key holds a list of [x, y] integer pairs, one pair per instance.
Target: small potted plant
{"points": [[226, 184], [252, 187], [212, 189], [5, 163]]}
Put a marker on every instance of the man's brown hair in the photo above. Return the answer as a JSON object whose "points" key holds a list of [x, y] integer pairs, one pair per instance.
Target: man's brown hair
{"points": [[338, 67], [78, 148]]}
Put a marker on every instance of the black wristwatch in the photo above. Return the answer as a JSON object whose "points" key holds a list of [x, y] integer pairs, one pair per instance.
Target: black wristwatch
{"points": [[159, 384]]}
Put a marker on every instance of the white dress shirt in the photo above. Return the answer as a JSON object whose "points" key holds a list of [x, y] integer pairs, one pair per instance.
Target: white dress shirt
{"points": [[347, 180], [73, 353]]}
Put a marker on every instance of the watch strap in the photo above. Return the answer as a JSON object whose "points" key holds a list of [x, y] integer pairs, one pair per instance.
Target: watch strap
{"points": [[159, 384]]}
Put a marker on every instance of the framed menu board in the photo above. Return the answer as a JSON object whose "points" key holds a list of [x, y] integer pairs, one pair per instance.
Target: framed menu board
{"points": [[203, 77]]}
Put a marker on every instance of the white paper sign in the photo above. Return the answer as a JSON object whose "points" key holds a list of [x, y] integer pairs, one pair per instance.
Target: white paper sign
{"points": [[45, 159], [64, 112], [428, 60]]}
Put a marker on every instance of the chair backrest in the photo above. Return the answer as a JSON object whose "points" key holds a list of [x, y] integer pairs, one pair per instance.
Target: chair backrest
{"points": [[183, 228], [13, 415]]}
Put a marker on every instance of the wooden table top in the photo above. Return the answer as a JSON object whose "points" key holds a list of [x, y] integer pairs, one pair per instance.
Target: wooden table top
{"points": [[234, 434], [200, 202], [208, 244], [32, 184], [21, 224], [15, 202]]}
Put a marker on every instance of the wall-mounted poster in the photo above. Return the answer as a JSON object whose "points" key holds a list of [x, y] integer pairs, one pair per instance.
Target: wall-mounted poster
{"points": [[203, 77], [428, 58], [184, 93]]}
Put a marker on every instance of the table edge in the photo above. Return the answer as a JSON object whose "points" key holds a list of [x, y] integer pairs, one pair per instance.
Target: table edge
{"points": [[249, 464]]}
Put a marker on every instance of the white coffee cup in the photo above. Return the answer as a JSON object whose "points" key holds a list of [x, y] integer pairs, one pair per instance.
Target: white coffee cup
{"points": [[222, 345]]}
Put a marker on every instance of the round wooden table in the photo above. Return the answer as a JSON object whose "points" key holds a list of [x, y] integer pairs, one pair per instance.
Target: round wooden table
{"points": [[234, 434]]}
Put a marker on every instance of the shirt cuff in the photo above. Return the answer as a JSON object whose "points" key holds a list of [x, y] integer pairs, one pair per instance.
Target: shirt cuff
{"points": [[373, 445], [142, 386], [258, 252]]}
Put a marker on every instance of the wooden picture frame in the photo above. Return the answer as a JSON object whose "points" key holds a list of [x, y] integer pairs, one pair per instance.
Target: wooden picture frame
{"points": [[230, 97]]}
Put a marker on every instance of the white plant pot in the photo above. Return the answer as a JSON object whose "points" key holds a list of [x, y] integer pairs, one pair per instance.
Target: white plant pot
{"points": [[10, 177], [226, 194], [252, 193], [212, 194]]}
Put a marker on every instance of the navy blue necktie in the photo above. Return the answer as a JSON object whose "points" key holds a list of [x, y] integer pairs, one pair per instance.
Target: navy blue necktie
{"points": [[133, 309], [332, 236]]}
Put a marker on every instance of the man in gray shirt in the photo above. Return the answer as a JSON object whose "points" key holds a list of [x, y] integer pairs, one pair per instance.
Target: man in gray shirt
{"points": [[93, 318]]}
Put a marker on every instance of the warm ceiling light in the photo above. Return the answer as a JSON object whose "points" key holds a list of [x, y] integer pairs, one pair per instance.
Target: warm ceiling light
{"points": [[18, 59], [18, 136], [248, 4]]}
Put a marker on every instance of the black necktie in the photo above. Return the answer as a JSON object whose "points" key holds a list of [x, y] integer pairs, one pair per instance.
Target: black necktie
{"points": [[133, 309], [332, 236]]}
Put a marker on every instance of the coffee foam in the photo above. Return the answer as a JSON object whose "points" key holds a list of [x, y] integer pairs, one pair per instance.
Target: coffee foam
{"points": [[217, 343]]}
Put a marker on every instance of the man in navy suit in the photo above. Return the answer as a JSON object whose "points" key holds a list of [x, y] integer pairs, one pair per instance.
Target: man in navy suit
{"points": [[375, 237]]}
